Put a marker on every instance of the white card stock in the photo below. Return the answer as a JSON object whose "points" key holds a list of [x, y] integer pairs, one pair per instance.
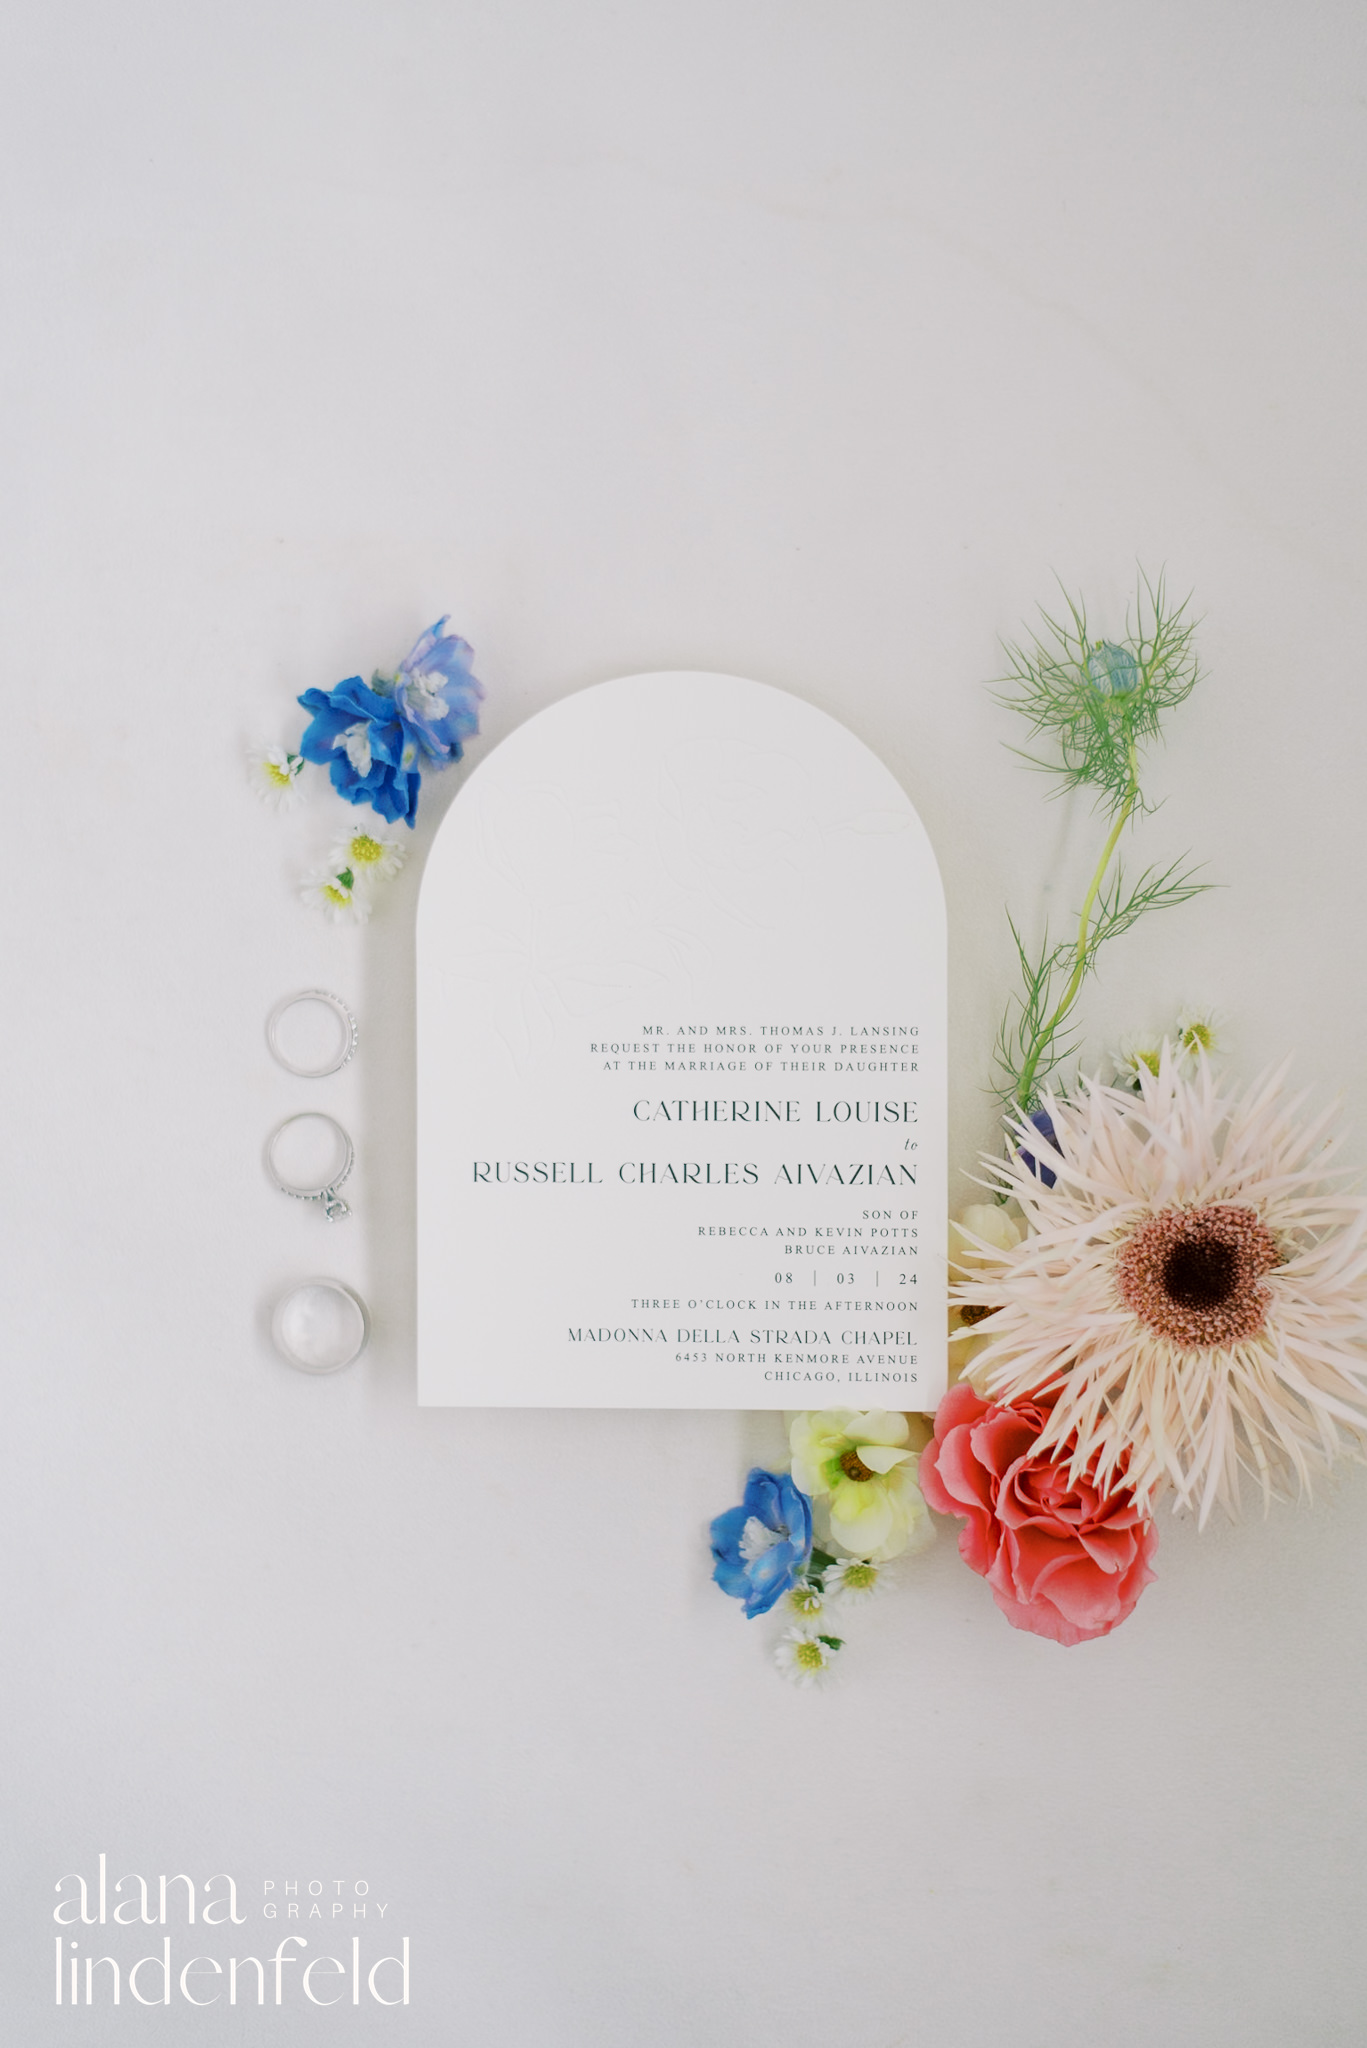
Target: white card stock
{"points": [[681, 1065]]}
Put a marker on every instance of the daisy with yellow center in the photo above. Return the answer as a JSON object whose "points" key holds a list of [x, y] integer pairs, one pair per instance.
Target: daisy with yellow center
{"points": [[1196, 1033], [370, 855], [855, 1580], [275, 776], [806, 1657], [1193, 1289], [805, 1599], [333, 891], [1192, 1039]]}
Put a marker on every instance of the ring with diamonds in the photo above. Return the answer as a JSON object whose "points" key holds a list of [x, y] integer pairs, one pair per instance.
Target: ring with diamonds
{"points": [[318, 1041], [308, 1156]]}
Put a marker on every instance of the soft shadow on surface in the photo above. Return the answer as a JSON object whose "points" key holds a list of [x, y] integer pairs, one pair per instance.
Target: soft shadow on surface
{"points": [[386, 1138], [388, 1122]]}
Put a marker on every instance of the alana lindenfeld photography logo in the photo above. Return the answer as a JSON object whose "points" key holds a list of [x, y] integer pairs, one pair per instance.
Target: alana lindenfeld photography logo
{"points": [[318, 1940]]}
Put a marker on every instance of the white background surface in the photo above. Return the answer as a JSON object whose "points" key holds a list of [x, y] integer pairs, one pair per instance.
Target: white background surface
{"points": [[792, 340]]}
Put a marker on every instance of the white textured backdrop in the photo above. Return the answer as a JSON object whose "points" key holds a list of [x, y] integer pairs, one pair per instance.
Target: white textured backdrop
{"points": [[777, 337]]}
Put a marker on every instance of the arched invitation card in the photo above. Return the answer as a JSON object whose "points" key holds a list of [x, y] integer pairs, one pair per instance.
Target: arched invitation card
{"points": [[681, 1065]]}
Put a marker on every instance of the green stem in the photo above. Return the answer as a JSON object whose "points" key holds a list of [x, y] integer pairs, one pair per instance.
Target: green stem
{"points": [[1025, 1087]]}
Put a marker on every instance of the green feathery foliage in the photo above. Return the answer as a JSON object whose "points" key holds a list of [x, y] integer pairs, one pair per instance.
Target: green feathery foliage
{"points": [[1098, 703]]}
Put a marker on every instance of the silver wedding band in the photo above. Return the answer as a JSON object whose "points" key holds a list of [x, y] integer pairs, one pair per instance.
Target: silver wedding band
{"points": [[344, 1017]]}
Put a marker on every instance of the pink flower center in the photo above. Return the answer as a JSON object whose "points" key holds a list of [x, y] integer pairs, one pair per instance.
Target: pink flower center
{"points": [[1193, 1275]]}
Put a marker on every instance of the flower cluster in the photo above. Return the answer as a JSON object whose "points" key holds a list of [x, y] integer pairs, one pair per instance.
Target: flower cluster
{"points": [[853, 1478], [1191, 1293], [343, 886], [1164, 1296], [375, 739]]}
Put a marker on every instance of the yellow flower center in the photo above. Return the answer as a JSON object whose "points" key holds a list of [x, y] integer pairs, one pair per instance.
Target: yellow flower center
{"points": [[365, 851], [810, 1657], [340, 897], [859, 1577], [281, 777], [853, 1466]]}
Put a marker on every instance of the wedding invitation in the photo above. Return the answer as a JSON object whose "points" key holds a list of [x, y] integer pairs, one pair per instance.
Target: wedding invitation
{"points": [[681, 1065]]}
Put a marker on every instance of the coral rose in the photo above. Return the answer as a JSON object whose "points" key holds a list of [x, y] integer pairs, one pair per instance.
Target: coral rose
{"points": [[1063, 1559]]}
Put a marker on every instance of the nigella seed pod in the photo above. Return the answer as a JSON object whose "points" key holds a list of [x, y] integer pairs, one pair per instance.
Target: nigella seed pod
{"points": [[1112, 670]]}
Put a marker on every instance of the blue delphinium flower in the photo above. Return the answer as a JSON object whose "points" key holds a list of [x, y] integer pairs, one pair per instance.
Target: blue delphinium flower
{"points": [[1112, 670], [372, 737], [1044, 1124], [357, 735], [761, 1546], [436, 693]]}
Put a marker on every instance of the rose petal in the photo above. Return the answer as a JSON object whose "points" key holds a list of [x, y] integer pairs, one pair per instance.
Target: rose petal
{"points": [[951, 1470], [1002, 1439]]}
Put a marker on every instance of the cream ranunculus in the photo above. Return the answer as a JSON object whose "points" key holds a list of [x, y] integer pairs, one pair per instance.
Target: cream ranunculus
{"points": [[989, 1222], [861, 1476], [980, 1224]]}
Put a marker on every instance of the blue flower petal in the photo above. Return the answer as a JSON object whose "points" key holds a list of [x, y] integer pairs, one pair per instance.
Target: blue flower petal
{"points": [[762, 1497], [732, 1578], [770, 1578], [796, 1508], [390, 788], [779, 1505], [445, 655], [726, 1532], [1044, 1124]]}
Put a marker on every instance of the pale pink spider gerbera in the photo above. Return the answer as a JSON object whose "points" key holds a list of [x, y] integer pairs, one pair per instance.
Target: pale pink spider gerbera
{"points": [[1194, 1286]]}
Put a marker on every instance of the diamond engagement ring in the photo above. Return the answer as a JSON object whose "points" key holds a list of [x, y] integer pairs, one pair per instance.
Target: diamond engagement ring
{"points": [[308, 1156]]}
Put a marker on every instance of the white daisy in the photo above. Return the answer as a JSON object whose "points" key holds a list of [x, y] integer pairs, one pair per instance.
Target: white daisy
{"points": [[1192, 1038], [369, 853], [333, 891], [853, 1581], [1196, 1033], [804, 1656], [804, 1599], [1136, 1057], [275, 776], [1194, 1288]]}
